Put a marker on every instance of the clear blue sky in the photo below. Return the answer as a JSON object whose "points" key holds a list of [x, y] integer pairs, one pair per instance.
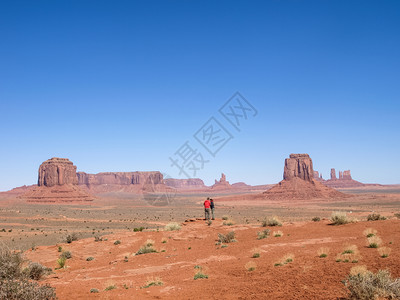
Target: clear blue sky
{"points": [[121, 85]]}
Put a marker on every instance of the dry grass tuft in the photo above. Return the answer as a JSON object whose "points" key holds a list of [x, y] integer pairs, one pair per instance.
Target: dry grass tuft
{"points": [[271, 221], [250, 266], [323, 252], [374, 242], [172, 226], [369, 232], [384, 251], [277, 233]]}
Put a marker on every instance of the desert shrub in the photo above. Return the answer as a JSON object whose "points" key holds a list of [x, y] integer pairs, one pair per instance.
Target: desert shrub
{"points": [[98, 238], [397, 215], [256, 255], [250, 266], [24, 289], [323, 252], [263, 234], [226, 238], [90, 258], [367, 285], [374, 242], [384, 251], [138, 229], [228, 222], [375, 217], [36, 271], [271, 221], [316, 219], [117, 242], [153, 282], [59, 249], [225, 217], [200, 275], [277, 233], [94, 290], [66, 254], [10, 264], [146, 248], [339, 218], [172, 226], [369, 232], [110, 287], [61, 262], [71, 238]]}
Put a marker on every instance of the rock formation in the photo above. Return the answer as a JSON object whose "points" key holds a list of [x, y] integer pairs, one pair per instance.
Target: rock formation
{"points": [[57, 182], [333, 174], [346, 175], [299, 166], [191, 183], [298, 182], [222, 183], [57, 171]]}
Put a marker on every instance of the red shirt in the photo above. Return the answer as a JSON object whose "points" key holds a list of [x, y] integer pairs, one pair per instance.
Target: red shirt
{"points": [[207, 204]]}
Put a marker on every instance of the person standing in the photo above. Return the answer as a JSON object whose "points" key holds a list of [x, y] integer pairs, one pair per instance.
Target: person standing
{"points": [[212, 208], [207, 205]]}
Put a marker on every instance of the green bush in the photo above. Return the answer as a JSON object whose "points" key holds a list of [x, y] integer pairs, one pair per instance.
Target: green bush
{"points": [[117, 242], [200, 275], [94, 290], [90, 258], [367, 285], [24, 289], [61, 262], [316, 219], [138, 229], [110, 287], [66, 254]]}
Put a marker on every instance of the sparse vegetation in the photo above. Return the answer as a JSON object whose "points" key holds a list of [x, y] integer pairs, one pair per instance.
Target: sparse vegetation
{"points": [[117, 242], [250, 266], [71, 238], [375, 217], [384, 251], [277, 233], [228, 222], [110, 287], [263, 234], [369, 232], [225, 217], [61, 262], [397, 215], [339, 218], [94, 290], [90, 258], [200, 275], [227, 238], [98, 238], [66, 254], [138, 229], [316, 219], [374, 242], [14, 283], [153, 282], [271, 221], [288, 258], [350, 253], [323, 252], [172, 226], [366, 285], [147, 248]]}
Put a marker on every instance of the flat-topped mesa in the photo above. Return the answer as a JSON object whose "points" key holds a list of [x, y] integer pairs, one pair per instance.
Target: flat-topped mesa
{"points": [[57, 171], [120, 178], [298, 166]]}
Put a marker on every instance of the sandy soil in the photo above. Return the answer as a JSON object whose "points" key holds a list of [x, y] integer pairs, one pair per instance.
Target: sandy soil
{"points": [[307, 277]]}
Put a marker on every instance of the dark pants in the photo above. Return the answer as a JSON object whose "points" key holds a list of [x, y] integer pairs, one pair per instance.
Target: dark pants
{"points": [[207, 213], [212, 213]]}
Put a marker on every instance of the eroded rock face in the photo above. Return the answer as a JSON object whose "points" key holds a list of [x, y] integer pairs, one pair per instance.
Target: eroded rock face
{"points": [[347, 175], [191, 183], [57, 171], [120, 178], [298, 166], [333, 174]]}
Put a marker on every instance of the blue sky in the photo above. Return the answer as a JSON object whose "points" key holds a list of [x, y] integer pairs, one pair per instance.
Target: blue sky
{"points": [[121, 85]]}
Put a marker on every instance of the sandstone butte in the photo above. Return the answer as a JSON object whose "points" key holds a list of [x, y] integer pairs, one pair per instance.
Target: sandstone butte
{"points": [[298, 181], [57, 182]]}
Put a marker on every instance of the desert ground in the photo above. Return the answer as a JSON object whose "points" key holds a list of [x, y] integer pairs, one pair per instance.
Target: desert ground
{"points": [[39, 230]]}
